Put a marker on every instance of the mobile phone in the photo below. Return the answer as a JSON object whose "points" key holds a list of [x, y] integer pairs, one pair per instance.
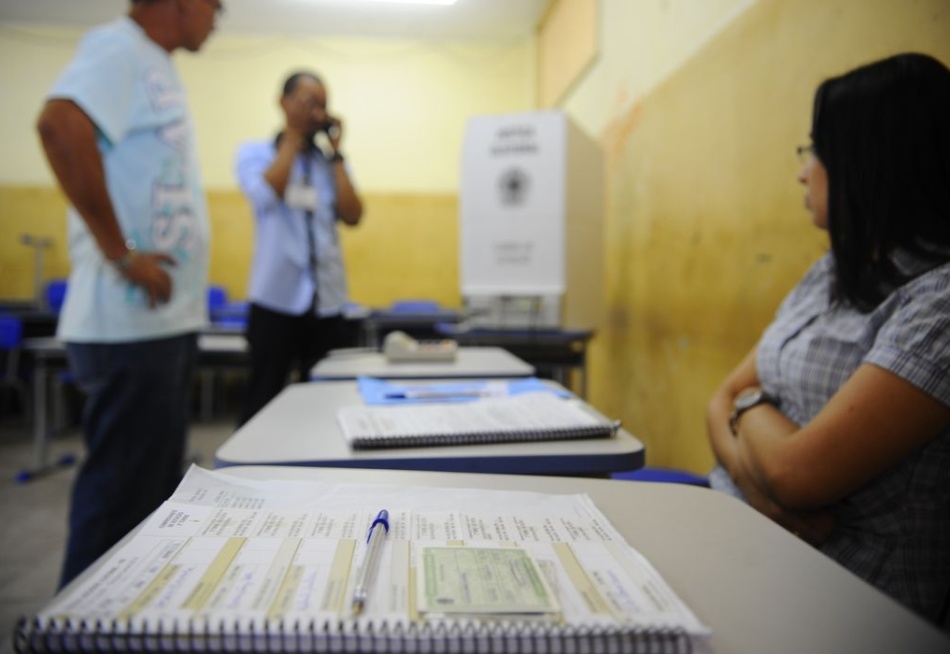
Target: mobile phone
{"points": [[331, 127]]}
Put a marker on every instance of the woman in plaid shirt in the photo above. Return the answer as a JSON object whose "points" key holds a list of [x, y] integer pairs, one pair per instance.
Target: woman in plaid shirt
{"points": [[837, 424]]}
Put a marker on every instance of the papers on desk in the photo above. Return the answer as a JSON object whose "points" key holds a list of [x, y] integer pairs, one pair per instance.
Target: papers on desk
{"points": [[533, 416], [380, 391], [232, 564]]}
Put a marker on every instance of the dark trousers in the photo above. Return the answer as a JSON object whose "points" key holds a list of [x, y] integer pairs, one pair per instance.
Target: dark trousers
{"points": [[278, 343], [135, 424]]}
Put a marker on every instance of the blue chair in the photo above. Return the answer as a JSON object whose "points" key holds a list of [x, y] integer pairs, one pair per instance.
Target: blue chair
{"points": [[224, 313], [667, 475], [55, 294], [217, 298], [414, 306], [11, 332], [11, 337], [225, 316]]}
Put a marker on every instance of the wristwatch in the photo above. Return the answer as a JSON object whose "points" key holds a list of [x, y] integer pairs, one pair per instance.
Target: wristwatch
{"points": [[124, 262], [745, 401]]}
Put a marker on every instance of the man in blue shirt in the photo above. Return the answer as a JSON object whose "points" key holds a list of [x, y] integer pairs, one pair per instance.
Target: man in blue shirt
{"points": [[298, 285], [118, 136]]}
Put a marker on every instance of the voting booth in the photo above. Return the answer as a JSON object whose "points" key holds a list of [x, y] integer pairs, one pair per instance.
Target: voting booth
{"points": [[532, 223]]}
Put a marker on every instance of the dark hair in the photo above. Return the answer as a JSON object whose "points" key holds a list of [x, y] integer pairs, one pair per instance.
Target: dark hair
{"points": [[291, 82], [882, 131]]}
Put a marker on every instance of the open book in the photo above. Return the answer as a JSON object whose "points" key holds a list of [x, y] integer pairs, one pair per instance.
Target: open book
{"points": [[535, 416], [231, 564]]}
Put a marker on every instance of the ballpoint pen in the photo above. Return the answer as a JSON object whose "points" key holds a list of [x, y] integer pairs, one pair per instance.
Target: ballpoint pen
{"points": [[434, 394], [374, 545]]}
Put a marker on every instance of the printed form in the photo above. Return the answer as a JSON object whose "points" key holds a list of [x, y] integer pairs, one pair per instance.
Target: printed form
{"points": [[239, 552]]}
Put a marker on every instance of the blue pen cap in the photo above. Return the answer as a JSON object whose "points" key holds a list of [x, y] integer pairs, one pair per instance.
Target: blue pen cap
{"points": [[382, 518]]}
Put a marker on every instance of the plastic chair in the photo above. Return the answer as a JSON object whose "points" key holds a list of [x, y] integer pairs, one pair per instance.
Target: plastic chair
{"points": [[11, 332], [224, 313], [414, 306], [225, 316], [666, 475], [55, 294], [11, 337], [217, 298], [56, 290]]}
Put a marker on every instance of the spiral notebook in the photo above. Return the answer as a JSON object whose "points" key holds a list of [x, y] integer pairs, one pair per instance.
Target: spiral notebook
{"points": [[231, 564], [534, 416]]}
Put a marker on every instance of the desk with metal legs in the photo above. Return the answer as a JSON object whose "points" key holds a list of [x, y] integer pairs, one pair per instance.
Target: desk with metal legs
{"points": [[553, 352], [470, 362], [48, 355], [419, 324], [300, 427]]}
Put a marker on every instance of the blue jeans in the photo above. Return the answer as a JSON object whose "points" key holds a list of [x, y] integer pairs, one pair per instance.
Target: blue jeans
{"points": [[135, 425]]}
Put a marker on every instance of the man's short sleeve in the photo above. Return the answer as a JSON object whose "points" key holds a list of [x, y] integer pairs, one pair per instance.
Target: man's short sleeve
{"points": [[99, 80]]}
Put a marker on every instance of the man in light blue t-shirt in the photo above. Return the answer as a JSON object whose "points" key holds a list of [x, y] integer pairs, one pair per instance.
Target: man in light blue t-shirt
{"points": [[118, 136]]}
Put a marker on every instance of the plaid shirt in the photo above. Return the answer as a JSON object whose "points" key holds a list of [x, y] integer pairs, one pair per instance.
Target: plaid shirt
{"points": [[895, 531]]}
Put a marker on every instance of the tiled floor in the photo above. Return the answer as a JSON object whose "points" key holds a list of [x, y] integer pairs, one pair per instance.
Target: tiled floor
{"points": [[33, 514]]}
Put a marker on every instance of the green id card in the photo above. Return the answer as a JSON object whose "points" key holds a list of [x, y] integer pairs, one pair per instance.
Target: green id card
{"points": [[483, 580]]}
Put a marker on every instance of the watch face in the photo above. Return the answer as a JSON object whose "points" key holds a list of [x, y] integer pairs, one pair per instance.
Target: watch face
{"points": [[748, 399]]}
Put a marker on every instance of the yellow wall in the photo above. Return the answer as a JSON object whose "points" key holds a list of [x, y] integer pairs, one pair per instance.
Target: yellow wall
{"points": [[404, 103], [568, 40], [38, 211], [410, 253], [706, 229], [641, 43]]}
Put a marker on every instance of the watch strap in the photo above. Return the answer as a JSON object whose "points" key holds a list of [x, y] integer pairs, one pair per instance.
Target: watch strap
{"points": [[737, 410], [123, 263]]}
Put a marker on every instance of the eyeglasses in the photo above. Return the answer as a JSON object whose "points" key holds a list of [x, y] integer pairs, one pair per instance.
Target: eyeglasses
{"points": [[805, 152], [218, 7]]}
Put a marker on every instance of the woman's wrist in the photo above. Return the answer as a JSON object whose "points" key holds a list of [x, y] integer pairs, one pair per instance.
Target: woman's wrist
{"points": [[746, 400]]}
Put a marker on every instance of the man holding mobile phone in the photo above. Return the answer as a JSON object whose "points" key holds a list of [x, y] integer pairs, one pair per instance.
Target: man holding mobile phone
{"points": [[298, 192]]}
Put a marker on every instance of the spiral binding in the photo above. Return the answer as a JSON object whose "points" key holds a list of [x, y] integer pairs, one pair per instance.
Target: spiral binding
{"points": [[344, 636], [473, 438]]}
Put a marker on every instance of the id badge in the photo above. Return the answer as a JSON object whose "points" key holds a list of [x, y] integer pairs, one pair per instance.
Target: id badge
{"points": [[299, 196]]}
